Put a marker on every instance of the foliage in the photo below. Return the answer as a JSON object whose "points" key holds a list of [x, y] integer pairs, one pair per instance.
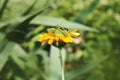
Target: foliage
{"points": [[97, 55]]}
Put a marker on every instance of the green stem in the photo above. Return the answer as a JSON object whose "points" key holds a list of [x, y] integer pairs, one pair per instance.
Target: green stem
{"points": [[61, 62]]}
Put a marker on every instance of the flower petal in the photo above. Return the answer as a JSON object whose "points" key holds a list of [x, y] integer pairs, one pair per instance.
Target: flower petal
{"points": [[43, 42], [50, 41]]}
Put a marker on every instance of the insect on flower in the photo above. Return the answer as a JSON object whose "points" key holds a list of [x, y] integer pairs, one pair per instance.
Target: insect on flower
{"points": [[58, 36]]}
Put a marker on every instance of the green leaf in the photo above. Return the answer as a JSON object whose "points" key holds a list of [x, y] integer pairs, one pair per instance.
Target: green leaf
{"points": [[27, 20], [3, 7], [29, 9], [78, 72], [82, 15], [4, 55], [42, 53], [21, 21], [19, 55], [32, 64], [24, 60], [54, 66], [3, 41], [51, 21], [2, 36]]}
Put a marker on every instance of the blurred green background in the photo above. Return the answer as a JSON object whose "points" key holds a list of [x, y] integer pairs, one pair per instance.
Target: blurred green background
{"points": [[95, 55]]}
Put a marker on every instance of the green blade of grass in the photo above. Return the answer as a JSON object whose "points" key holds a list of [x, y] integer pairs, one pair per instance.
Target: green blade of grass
{"points": [[29, 9], [54, 66], [18, 55], [3, 41], [82, 15], [22, 21], [3, 8], [51, 21], [2, 36], [4, 55], [78, 72]]}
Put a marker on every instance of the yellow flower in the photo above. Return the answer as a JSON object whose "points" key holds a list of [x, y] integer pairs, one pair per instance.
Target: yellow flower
{"points": [[58, 37]]}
